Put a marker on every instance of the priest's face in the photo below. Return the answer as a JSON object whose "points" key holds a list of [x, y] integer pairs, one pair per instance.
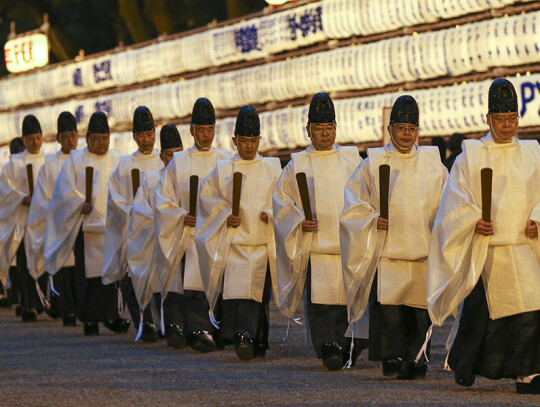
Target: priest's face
{"points": [[403, 136], [168, 154], [145, 140], [203, 135], [322, 135], [33, 142], [68, 141], [98, 143], [503, 126], [247, 146]]}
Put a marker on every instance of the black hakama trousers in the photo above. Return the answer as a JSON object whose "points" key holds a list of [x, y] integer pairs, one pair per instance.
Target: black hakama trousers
{"points": [[98, 302], [64, 284], [505, 347], [130, 299], [396, 330], [248, 315], [27, 285]]}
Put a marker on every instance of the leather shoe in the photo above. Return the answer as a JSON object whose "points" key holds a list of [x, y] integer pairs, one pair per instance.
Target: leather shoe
{"points": [[391, 367], [69, 320], [201, 341], [175, 336], [529, 388], [28, 316], [119, 325], [412, 371], [464, 382], [91, 329], [332, 355], [243, 345], [149, 333]]}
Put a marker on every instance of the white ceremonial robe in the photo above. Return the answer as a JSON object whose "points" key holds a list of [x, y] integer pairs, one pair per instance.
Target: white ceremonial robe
{"points": [[327, 173], [35, 228], [140, 244], [173, 240], [508, 261], [13, 214], [237, 258], [119, 203], [417, 182], [65, 219]]}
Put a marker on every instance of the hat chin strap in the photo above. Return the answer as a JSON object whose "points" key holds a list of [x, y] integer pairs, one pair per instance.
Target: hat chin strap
{"points": [[199, 147], [499, 140], [399, 147]]}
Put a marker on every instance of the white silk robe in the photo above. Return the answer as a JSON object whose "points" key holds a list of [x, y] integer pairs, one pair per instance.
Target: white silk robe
{"points": [[35, 228], [119, 203], [13, 214], [140, 244], [508, 261], [417, 182], [237, 258], [65, 219], [173, 239], [327, 173]]}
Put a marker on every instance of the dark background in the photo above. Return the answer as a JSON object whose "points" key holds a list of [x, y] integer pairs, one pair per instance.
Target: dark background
{"points": [[98, 25]]}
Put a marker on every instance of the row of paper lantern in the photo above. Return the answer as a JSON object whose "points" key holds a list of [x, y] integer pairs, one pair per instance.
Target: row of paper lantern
{"points": [[473, 47], [255, 38], [443, 111]]}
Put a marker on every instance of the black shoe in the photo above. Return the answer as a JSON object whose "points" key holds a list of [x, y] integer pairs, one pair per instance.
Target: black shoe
{"points": [[243, 345], [464, 382], [175, 336], [529, 388], [18, 311], [69, 320], [149, 333], [119, 325], [391, 367], [412, 371], [332, 355], [91, 329], [4, 303], [201, 341], [28, 316]]}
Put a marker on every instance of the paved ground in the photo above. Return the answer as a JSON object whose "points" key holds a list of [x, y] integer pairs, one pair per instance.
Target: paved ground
{"points": [[45, 364]]}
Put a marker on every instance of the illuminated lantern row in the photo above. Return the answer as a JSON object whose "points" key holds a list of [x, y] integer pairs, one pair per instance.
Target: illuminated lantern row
{"points": [[473, 47], [444, 111], [252, 39]]}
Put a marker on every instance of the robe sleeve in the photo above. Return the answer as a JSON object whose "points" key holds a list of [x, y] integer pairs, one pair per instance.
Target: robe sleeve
{"points": [[12, 220], [118, 211], [292, 244], [172, 237], [140, 246], [35, 226], [64, 219], [456, 254], [212, 236], [360, 241]]}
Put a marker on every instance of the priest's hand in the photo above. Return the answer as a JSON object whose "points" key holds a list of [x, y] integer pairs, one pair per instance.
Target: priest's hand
{"points": [[264, 217], [190, 220], [382, 223], [531, 230], [310, 225], [484, 228], [86, 208], [27, 200], [233, 221]]}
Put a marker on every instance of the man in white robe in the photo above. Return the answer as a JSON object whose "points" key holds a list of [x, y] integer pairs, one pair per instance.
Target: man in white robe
{"points": [[64, 282], [388, 257], [308, 251], [119, 203], [491, 267], [237, 252], [77, 222], [140, 237], [184, 304], [15, 200], [10, 295]]}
